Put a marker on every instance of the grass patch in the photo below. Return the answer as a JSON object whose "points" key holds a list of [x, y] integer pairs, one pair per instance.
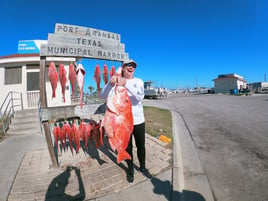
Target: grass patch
{"points": [[158, 121]]}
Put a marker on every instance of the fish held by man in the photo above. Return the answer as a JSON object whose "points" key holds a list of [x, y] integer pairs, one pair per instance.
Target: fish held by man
{"points": [[53, 77], [118, 121]]}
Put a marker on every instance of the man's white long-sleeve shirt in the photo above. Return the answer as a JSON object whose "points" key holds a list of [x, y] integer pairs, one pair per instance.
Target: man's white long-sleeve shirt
{"points": [[135, 89]]}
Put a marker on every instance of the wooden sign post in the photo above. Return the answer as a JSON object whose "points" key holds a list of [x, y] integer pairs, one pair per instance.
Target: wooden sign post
{"points": [[76, 42]]}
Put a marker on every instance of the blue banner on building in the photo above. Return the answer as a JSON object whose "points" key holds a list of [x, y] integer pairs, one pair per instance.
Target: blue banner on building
{"points": [[30, 46]]}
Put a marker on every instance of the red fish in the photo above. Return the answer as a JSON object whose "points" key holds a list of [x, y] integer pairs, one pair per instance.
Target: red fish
{"points": [[76, 136], [118, 121], [67, 132], [112, 71], [61, 137], [105, 74], [80, 73], [97, 78], [72, 77], [62, 75], [56, 137], [96, 134], [83, 128], [53, 78]]}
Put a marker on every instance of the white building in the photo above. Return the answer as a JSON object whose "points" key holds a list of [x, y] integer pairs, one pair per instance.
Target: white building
{"points": [[227, 82], [20, 73]]}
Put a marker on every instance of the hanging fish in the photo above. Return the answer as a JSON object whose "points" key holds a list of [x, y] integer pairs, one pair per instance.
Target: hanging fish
{"points": [[105, 74], [97, 78], [76, 136], [89, 132], [72, 77], [112, 71], [61, 137], [67, 132], [96, 134], [53, 78], [83, 128], [80, 73], [62, 75], [56, 136]]}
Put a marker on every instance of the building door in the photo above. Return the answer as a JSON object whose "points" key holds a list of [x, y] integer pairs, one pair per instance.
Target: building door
{"points": [[33, 88]]}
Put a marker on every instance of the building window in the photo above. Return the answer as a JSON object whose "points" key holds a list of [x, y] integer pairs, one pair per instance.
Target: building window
{"points": [[33, 81], [13, 75]]}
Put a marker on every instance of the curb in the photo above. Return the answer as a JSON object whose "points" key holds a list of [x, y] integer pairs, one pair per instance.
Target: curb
{"points": [[189, 177]]}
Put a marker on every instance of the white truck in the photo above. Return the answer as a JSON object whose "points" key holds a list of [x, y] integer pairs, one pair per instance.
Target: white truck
{"points": [[152, 92]]}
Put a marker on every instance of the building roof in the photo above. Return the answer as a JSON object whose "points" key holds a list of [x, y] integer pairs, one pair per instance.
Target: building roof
{"points": [[19, 55], [229, 76]]}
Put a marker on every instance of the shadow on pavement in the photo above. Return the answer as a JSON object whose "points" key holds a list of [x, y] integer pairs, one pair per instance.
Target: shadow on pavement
{"points": [[165, 188], [56, 189]]}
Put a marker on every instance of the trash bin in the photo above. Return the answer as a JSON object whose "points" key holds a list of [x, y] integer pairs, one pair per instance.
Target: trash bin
{"points": [[235, 91]]}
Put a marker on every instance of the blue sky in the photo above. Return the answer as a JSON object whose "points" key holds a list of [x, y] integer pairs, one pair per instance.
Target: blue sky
{"points": [[176, 43]]}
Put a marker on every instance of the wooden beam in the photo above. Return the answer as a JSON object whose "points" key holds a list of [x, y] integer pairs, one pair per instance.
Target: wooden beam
{"points": [[43, 104]]}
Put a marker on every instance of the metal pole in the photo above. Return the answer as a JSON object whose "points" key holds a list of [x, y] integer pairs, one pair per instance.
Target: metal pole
{"points": [[3, 125], [21, 101], [12, 103]]}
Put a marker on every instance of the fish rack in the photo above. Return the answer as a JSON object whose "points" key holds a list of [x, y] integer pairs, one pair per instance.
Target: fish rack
{"points": [[74, 42], [66, 42], [50, 115]]}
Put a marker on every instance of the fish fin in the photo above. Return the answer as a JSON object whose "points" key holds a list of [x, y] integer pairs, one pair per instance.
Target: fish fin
{"points": [[112, 144], [123, 156]]}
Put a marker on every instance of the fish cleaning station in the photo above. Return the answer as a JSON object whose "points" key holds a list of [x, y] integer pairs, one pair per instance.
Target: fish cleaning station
{"points": [[75, 42]]}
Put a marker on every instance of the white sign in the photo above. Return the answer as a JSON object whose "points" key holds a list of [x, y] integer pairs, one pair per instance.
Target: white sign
{"points": [[77, 41], [85, 42], [78, 51], [86, 32]]}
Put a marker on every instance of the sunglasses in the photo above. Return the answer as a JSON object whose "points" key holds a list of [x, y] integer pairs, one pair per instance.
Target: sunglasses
{"points": [[130, 65]]}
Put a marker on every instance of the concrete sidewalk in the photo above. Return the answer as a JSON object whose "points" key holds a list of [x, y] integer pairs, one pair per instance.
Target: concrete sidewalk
{"points": [[85, 176], [27, 173]]}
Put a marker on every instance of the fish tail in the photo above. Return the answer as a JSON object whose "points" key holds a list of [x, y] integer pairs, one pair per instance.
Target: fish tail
{"points": [[123, 156], [53, 94]]}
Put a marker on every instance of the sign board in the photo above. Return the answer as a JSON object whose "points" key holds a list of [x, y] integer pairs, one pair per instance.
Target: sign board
{"points": [[30, 46], [86, 32], [85, 42], [78, 51], [77, 41]]}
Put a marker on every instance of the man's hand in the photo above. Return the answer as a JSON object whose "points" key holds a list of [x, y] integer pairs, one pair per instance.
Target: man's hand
{"points": [[120, 81]]}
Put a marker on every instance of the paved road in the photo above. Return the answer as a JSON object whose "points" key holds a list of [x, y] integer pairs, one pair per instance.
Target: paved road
{"points": [[231, 136]]}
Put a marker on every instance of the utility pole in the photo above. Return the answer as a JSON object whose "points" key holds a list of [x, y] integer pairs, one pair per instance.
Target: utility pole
{"points": [[264, 77]]}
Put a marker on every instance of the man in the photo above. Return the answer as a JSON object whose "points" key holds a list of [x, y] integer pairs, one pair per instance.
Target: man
{"points": [[135, 89]]}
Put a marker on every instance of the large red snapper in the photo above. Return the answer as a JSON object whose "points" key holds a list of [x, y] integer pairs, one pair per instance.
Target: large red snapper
{"points": [[118, 121]]}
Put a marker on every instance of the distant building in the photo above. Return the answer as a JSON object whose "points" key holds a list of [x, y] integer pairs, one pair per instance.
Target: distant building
{"points": [[229, 82], [258, 86]]}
